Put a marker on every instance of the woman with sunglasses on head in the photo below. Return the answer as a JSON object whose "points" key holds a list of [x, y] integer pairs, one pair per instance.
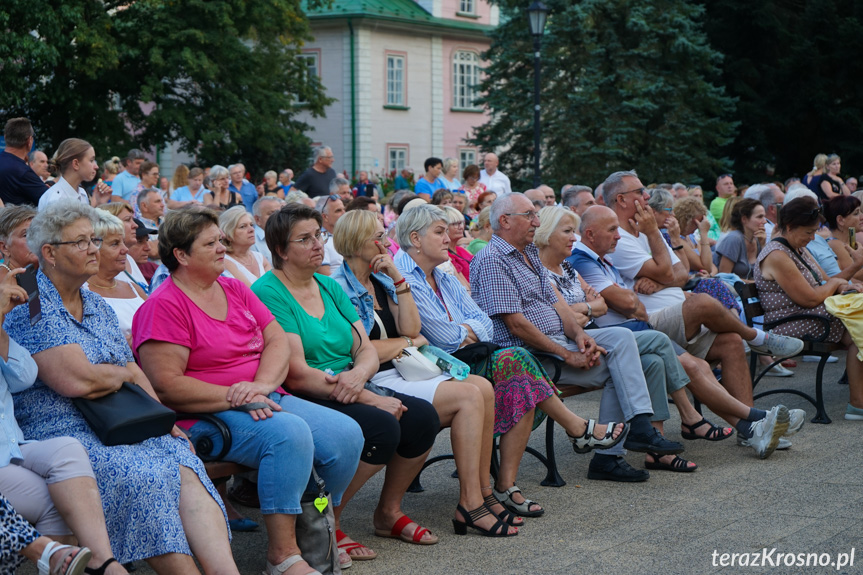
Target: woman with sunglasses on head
{"points": [[220, 198]]}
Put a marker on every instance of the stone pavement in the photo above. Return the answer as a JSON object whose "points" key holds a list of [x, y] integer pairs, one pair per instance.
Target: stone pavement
{"points": [[808, 499]]}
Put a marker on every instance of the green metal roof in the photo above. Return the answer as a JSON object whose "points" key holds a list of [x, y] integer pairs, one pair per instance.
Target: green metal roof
{"points": [[396, 11]]}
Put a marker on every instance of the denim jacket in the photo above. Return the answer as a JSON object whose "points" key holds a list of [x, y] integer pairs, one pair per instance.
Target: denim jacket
{"points": [[360, 296]]}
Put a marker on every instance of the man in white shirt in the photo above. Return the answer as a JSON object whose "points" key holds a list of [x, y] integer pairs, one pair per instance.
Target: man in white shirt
{"points": [[262, 210], [493, 179], [331, 208]]}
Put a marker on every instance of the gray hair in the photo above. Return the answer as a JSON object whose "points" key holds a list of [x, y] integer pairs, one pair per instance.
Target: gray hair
{"points": [[453, 216], [761, 192], [48, 225], [449, 163], [613, 186], [258, 206], [679, 186], [218, 171], [659, 199], [13, 216], [337, 183], [319, 151], [569, 195], [798, 190], [501, 206], [417, 219], [295, 197], [108, 223], [31, 157], [134, 154], [142, 196], [229, 220]]}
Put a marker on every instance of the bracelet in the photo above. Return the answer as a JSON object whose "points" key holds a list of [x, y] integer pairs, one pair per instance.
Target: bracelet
{"points": [[677, 248], [409, 340], [589, 311], [404, 290], [400, 282]]}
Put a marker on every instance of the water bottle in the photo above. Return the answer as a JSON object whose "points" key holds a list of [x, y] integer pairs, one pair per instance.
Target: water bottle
{"points": [[448, 364]]}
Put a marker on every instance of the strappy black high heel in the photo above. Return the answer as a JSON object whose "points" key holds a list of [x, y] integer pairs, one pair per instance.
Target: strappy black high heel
{"points": [[506, 515], [499, 529]]}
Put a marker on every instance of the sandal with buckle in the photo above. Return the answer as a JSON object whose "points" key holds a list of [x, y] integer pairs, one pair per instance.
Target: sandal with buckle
{"points": [[499, 529], [677, 464], [506, 515], [586, 442], [715, 433], [287, 564], [350, 546], [416, 538], [522, 509], [80, 557]]}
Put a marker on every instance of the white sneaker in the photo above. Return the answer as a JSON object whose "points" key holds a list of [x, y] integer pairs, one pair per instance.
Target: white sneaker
{"points": [[796, 419], [779, 371], [782, 445], [817, 358], [778, 345], [766, 432]]}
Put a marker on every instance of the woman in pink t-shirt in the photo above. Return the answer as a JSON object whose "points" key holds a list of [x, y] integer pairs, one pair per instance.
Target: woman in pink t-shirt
{"points": [[210, 346]]}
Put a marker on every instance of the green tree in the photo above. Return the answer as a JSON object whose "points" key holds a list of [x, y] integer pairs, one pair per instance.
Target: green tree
{"points": [[795, 69], [625, 85], [221, 77]]}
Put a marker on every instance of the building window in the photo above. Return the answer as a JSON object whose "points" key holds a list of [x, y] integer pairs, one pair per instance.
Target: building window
{"points": [[398, 158], [312, 61], [466, 157], [465, 80], [395, 80], [467, 6]]}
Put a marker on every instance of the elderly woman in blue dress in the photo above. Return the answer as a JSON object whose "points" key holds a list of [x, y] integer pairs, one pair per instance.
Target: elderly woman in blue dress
{"points": [[159, 504]]}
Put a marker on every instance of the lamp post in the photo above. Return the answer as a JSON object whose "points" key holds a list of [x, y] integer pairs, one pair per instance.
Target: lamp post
{"points": [[536, 13]]}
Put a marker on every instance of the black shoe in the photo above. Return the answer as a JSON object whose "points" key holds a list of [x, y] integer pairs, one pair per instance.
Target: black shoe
{"points": [[615, 469], [244, 492], [652, 441]]}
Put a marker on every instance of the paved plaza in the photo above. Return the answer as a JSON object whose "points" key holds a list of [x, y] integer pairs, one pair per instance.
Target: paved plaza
{"points": [[808, 499]]}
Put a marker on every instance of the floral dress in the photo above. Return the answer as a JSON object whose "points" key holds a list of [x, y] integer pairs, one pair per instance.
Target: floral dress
{"points": [[140, 483], [15, 534]]}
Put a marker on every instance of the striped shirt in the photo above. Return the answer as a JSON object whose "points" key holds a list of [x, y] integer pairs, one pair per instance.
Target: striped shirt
{"points": [[443, 318]]}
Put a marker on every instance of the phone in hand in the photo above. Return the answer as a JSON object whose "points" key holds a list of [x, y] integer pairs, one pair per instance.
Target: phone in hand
{"points": [[27, 280], [852, 238]]}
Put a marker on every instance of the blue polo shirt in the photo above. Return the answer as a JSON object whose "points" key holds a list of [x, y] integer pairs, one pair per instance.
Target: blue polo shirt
{"points": [[19, 184], [247, 192], [124, 185]]}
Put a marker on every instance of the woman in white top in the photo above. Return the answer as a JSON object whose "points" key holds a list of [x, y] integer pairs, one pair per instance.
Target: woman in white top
{"points": [[241, 261], [75, 162], [124, 297]]}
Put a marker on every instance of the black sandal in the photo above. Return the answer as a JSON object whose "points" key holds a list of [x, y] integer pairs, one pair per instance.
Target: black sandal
{"points": [[716, 433], [499, 529], [506, 515], [677, 464], [100, 570]]}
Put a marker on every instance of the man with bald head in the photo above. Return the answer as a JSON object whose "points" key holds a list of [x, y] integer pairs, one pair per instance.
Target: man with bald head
{"points": [[600, 235], [511, 284], [537, 198], [493, 179], [548, 193], [39, 164]]}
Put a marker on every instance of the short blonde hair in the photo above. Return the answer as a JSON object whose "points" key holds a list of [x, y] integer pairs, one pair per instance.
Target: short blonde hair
{"points": [[116, 208], [108, 224], [484, 218], [549, 219], [228, 222], [352, 230], [453, 216]]}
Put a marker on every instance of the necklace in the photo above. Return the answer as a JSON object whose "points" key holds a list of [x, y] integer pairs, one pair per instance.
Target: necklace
{"points": [[105, 287]]}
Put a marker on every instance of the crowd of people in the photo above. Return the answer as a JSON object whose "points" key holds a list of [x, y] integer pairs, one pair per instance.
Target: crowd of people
{"points": [[285, 310]]}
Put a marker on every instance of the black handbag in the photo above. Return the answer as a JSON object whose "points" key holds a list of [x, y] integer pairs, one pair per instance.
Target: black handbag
{"points": [[477, 356], [127, 416]]}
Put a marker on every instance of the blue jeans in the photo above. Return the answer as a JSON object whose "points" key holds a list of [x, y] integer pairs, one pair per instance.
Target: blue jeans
{"points": [[283, 448]]}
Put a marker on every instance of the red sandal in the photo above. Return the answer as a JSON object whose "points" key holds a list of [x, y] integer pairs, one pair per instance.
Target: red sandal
{"points": [[351, 545], [416, 539]]}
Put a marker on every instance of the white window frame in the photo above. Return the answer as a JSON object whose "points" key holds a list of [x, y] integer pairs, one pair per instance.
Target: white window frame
{"points": [[394, 162], [467, 7], [396, 79], [313, 66], [466, 157], [465, 80]]}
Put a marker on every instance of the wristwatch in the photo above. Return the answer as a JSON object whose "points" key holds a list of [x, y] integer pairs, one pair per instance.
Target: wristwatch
{"points": [[589, 311]]}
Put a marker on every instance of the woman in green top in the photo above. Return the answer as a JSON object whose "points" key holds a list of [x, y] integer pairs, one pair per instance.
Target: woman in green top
{"points": [[332, 360], [483, 225]]}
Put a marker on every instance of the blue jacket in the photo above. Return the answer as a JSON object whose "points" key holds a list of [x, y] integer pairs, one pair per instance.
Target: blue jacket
{"points": [[360, 296]]}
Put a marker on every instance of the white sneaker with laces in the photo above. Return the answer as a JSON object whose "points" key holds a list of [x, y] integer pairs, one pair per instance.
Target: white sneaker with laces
{"points": [[778, 345], [767, 432]]}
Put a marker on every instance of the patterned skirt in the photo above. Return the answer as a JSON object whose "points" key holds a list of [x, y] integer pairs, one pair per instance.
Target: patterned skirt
{"points": [[15, 534], [520, 383]]}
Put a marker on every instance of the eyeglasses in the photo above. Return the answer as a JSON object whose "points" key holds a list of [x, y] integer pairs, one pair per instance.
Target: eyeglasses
{"points": [[320, 236], [637, 190], [531, 215], [669, 210], [332, 197], [81, 244]]}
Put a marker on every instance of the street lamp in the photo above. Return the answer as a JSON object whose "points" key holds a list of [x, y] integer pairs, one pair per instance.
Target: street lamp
{"points": [[536, 13]]}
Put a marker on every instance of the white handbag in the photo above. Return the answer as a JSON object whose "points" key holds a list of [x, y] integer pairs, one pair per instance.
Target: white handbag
{"points": [[414, 366]]}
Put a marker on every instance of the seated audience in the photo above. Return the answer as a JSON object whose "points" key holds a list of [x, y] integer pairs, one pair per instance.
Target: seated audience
{"points": [[841, 214], [149, 174], [272, 187], [691, 215], [452, 321], [791, 282], [124, 212], [331, 361], [220, 197], [725, 226], [819, 248], [484, 200], [192, 192], [382, 298], [80, 352], [442, 197], [195, 312], [483, 232], [737, 251], [14, 223], [151, 206], [262, 210], [242, 261], [471, 185], [124, 297]]}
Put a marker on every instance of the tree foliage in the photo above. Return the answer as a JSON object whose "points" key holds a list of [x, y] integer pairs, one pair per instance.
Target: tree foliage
{"points": [[794, 66], [625, 85], [221, 77]]}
